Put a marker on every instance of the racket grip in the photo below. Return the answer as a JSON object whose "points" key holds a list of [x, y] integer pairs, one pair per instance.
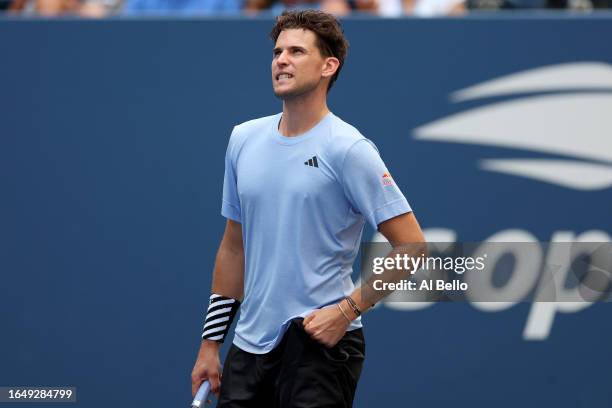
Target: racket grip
{"points": [[201, 395]]}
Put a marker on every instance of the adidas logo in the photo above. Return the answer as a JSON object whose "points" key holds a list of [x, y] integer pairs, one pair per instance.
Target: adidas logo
{"points": [[312, 162]]}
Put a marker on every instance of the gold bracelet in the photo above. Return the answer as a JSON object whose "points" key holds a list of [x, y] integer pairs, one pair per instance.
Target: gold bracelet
{"points": [[343, 313]]}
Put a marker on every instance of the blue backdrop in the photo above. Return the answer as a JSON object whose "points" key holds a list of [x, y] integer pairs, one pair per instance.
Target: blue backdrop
{"points": [[112, 138]]}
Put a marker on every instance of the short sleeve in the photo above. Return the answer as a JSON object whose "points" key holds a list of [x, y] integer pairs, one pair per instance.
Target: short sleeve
{"points": [[230, 206], [368, 185]]}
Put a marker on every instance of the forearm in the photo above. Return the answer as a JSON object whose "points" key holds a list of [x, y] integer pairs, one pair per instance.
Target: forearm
{"points": [[226, 295], [366, 296], [228, 274], [227, 285]]}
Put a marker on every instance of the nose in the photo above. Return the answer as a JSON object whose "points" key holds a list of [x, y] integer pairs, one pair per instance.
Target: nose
{"points": [[281, 59]]}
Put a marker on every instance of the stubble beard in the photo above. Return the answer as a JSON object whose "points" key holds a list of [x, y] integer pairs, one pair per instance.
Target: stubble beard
{"points": [[295, 92]]}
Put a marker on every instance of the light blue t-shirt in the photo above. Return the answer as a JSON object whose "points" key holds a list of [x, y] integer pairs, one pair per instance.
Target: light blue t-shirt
{"points": [[303, 202]]}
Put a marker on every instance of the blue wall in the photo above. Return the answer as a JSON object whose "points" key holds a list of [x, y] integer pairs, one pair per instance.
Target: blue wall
{"points": [[112, 138]]}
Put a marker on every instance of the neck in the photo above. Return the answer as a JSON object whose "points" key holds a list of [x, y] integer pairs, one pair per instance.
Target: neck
{"points": [[302, 113]]}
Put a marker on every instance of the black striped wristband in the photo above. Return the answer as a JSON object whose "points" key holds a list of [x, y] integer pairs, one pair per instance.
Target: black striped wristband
{"points": [[219, 317]]}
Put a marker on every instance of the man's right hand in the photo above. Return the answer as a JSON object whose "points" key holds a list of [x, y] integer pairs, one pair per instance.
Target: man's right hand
{"points": [[207, 367]]}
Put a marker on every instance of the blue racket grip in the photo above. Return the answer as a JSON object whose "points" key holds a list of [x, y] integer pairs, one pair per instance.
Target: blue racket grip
{"points": [[201, 395]]}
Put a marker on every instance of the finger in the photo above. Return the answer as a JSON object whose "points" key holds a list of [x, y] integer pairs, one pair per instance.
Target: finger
{"points": [[215, 383], [312, 324], [195, 384], [311, 329], [196, 380], [313, 335], [308, 318]]}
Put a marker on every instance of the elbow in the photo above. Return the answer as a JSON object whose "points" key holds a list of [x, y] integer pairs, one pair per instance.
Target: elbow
{"points": [[416, 247], [424, 250]]}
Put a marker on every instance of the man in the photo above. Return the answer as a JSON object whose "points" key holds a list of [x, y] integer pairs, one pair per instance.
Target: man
{"points": [[298, 189]]}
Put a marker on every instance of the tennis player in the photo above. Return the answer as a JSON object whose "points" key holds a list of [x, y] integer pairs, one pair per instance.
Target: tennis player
{"points": [[299, 187]]}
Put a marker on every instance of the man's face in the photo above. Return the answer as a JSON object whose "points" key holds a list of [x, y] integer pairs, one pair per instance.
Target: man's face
{"points": [[297, 63]]}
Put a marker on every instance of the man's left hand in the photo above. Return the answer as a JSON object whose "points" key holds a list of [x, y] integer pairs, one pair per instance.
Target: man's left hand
{"points": [[326, 325]]}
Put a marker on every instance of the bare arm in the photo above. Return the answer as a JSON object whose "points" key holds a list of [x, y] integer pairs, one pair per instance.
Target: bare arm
{"points": [[405, 236], [228, 275], [228, 280], [329, 324]]}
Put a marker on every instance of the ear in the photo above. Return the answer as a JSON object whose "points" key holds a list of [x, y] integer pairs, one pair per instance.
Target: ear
{"points": [[330, 66]]}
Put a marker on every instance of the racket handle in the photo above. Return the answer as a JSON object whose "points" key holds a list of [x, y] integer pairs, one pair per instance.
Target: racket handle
{"points": [[201, 395]]}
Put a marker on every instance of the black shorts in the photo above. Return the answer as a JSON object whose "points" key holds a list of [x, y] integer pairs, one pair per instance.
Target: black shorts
{"points": [[300, 372]]}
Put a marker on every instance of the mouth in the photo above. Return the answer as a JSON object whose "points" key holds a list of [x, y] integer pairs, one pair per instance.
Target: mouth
{"points": [[283, 75]]}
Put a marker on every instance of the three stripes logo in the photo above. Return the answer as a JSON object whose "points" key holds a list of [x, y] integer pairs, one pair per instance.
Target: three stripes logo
{"points": [[312, 162]]}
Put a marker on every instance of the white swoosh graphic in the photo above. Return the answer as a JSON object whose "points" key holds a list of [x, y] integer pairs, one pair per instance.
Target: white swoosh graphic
{"points": [[576, 125], [567, 173], [577, 75]]}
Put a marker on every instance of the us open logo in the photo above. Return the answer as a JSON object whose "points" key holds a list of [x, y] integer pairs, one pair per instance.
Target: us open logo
{"points": [[560, 116], [560, 110]]}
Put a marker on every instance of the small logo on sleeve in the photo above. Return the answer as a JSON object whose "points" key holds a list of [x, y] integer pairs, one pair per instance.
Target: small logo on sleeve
{"points": [[387, 179]]}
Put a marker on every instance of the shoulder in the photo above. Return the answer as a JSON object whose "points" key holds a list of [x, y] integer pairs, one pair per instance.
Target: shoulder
{"points": [[245, 130], [256, 125], [344, 137]]}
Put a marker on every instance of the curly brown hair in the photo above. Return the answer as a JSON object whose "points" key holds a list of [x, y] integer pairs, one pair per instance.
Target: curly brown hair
{"points": [[330, 36]]}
